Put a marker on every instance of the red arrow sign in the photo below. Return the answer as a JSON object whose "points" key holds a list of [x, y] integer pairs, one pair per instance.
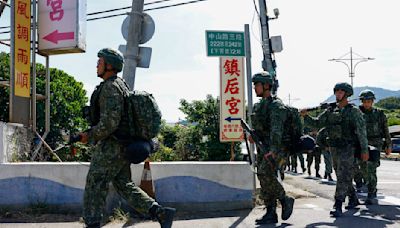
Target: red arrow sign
{"points": [[56, 36]]}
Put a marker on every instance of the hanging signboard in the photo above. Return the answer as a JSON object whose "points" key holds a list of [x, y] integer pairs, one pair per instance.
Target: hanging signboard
{"points": [[62, 26], [22, 48]]}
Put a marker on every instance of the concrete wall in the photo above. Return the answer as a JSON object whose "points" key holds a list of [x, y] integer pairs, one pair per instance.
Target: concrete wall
{"points": [[14, 138], [185, 185]]}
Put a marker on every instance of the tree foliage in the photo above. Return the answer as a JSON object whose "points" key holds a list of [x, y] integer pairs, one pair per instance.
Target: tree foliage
{"points": [[389, 103], [200, 141], [67, 99]]}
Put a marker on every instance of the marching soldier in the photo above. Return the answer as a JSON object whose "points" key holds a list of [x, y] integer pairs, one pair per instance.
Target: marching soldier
{"points": [[345, 127], [268, 120], [377, 129]]}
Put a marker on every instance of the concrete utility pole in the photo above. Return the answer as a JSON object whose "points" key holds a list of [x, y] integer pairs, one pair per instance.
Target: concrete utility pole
{"points": [[132, 45], [267, 63], [352, 66]]}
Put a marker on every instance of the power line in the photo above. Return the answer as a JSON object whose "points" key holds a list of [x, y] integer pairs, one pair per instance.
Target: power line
{"points": [[155, 8], [124, 8], [126, 13], [173, 5]]}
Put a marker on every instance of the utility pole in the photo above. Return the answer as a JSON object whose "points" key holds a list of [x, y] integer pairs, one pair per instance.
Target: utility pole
{"points": [[292, 99], [132, 45], [268, 62], [352, 66]]}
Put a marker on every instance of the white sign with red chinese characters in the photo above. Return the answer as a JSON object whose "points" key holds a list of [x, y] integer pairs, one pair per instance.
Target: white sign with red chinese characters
{"points": [[232, 105], [62, 26]]}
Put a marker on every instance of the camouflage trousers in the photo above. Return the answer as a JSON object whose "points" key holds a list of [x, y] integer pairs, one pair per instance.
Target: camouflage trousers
{"points": [[343, 163], [314, 156], [328, 161], [369, 171], [360, 171], [271, 187], [293, 159], [108, 165]]}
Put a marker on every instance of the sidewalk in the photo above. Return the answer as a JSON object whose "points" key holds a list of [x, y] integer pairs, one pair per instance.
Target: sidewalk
{"points": [[310, 211]]}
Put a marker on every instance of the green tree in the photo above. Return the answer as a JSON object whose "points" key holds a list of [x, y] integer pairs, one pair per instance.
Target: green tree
{"points": [[200, 141], [389, 103], [67, 99]]}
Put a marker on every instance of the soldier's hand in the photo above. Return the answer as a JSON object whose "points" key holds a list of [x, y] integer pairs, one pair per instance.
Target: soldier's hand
{"points": [[269, 154], [251, 140], [303, 112], [84, 137], [388, 151], [364, 156]]}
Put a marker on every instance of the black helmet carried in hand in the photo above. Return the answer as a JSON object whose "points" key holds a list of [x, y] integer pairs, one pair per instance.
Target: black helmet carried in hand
{"points": [[112, 57], [346, 87]]}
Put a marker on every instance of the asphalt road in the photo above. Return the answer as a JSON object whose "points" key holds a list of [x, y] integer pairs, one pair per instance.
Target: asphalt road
{"points": [[312, 206], [388, 182]]}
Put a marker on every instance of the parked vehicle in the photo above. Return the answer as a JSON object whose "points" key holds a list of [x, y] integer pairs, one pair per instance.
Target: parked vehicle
{"points": [[395, 145]]}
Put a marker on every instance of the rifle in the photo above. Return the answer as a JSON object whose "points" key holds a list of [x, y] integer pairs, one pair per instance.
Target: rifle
{"points": [[326, 105], [260, 144], [71, 140], [323, 106]]}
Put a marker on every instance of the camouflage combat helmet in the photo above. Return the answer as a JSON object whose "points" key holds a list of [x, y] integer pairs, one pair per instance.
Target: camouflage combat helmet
{"points": [[367, 95], [112, 57], [346, 87], [263, 77]]}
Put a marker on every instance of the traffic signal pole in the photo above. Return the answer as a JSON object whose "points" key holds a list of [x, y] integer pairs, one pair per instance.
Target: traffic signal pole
{"points": [[132, 45]]}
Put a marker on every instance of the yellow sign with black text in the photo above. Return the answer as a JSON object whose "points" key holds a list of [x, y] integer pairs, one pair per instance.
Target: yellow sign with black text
{"points": [[22, 48]]}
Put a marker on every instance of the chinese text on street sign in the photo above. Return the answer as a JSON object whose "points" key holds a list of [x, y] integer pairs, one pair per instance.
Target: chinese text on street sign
{"points": [[22, 47], [232, 107], [225, 43], [62, 26]]}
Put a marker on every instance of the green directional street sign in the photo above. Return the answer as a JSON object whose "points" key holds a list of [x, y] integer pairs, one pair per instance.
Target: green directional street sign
{"points": [[225, 43]]}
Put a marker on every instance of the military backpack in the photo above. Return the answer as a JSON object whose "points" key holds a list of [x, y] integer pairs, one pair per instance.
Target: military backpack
{"points": [[294, 128]]}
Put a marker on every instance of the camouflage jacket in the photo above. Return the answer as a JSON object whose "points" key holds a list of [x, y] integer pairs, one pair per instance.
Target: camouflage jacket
{"points": [[343, 125], [106, 109], [268, 119], [377, 128]]}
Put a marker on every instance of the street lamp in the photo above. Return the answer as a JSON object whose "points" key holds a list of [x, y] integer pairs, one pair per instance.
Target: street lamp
{"points": [[352, 66]]}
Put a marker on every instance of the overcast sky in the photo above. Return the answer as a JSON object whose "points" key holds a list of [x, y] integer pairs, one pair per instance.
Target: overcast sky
{"points": [[312, 31]]}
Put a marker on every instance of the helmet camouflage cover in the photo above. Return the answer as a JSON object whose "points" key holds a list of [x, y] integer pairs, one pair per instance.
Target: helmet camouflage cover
{"points": [[367, 95], [346, 87], [263, 77], [112, 57]]}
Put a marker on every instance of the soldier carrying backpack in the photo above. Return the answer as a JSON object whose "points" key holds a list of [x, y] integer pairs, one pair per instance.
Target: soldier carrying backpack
{"points": [[115, 124]]}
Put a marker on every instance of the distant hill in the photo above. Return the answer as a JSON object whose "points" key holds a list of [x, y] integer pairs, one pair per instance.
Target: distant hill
{"points": [[380, 93]]}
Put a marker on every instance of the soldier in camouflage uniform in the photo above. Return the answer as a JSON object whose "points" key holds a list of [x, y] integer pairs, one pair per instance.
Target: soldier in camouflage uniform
{"points": [[322, 144], [293, 161], [377, 129], [268, 119], [346, 129], [314, 156], [108, 163]]}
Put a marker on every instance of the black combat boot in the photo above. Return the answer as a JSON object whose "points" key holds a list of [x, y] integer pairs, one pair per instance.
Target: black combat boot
{"points": [[287, 207], [317, 174], [270, 216], [164, 215], [304, 169], [359, 186], [353, 202], [309, 171], [371, 198], [330, 177], [325, 176], [337, 209]]}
